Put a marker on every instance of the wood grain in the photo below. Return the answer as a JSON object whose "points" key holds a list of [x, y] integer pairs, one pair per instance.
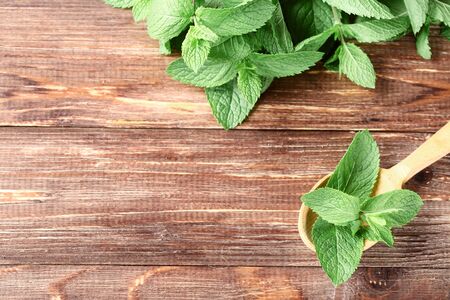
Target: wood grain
{"points": [[171, 282], [188, 197], [152, 204], [81, 63]]}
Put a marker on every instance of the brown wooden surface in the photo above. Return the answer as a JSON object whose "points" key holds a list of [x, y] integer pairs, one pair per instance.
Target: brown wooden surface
{"points": [[81, 63], [117, 182], [176, 282]]}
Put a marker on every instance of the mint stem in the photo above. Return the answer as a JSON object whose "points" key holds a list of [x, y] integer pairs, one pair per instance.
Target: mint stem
{"points": [[338, 23], [336, 15]]}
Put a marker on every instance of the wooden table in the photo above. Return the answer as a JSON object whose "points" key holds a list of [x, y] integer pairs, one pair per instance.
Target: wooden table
{"points": [[116, 181]]}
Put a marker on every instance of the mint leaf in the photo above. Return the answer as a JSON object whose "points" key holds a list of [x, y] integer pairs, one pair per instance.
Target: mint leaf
{"points": [[440, 10], [284, 64], [422, 42], [165, 47], [417, 11], [266, 82], [332, 63], [398, 207], [120, 3], [141, 10], [203, 33], [338, 251], [315, 42], [356, 65], [333, 206], [355, 226], [249, 84], [365, 8], [379, 213], [233, 49], [238, 20], [377, 232], [445, 32], [357, 171], [168, 18], [223, 3], [274, 36], [377, 30], [214, 72], [195, 51], [228, 104], [375, 219], [307, 18]]}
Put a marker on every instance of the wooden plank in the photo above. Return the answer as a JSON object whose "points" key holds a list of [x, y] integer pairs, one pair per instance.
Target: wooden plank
{"points": [[86, 64], [174, 282], [188, 197]]}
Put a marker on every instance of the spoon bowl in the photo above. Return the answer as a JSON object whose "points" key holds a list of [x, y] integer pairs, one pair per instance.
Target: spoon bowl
{"points": [[391, 179]]}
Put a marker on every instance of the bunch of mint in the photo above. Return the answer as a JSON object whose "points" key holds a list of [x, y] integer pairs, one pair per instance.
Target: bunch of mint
{"points": [[348, 214], [235, 48]]}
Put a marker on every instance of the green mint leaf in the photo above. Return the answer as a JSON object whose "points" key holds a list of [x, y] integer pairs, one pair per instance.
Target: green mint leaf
{"points": [[338, 251], [375, 219], [355, 226], [307, 18], [315, 42], [222, 3], [165, 47], [377, 30], [168, 18], [249, 84], [198, 3], [365, 8], [398, 207], [445, 32], [332, 63], [284, 64], [333, 206], [214, 72], [266, 82], [233, 49], [422, 42], [274, 36], [195, 51], [238, 20], [379, 212], [417, 12], [357, 171], [397, 7], [228, 104], [440, 10], [203, 33], [120, 3], [356, 65], [141, 10], [377, 232]]}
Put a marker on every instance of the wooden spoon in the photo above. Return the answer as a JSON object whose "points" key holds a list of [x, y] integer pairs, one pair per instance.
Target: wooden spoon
{"points": [[436, 147]]}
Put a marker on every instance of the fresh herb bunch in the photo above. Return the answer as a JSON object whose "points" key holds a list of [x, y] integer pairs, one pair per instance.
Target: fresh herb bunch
{"points": [[348, 214], [235, 48]]}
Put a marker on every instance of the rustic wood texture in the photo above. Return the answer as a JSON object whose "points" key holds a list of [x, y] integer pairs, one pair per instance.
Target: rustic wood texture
{"points": [[174, 282], [189, 197], [81, 63], [142, 196]]}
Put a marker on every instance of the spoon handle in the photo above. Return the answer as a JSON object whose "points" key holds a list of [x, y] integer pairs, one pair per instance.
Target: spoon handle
{"points": [[436, 147]]}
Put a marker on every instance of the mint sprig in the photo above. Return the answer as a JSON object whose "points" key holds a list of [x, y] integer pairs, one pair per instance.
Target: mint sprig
{"points": [[348, 213], [222, 41]]}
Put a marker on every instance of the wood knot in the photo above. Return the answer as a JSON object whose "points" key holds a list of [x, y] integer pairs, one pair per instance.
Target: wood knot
{"points": [[424, 177], [379, 280]]}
